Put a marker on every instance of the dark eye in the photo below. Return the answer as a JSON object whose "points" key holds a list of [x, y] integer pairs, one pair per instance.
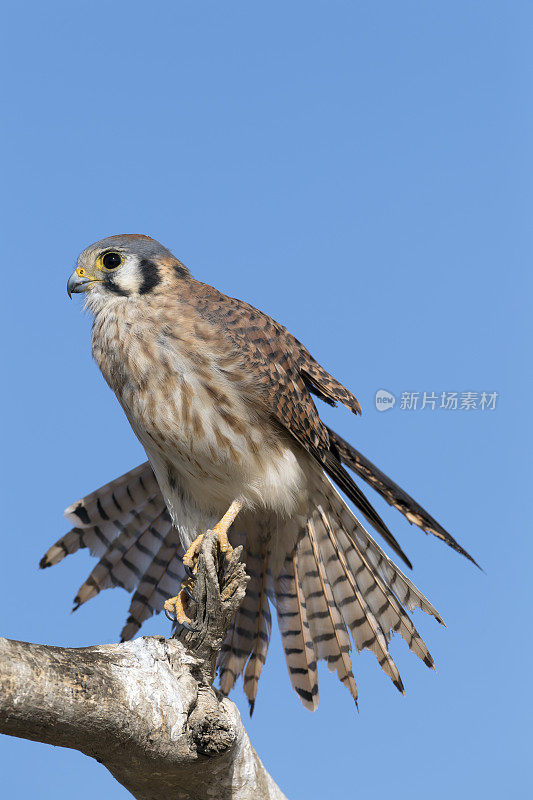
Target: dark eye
{"points": [[112, 260]]}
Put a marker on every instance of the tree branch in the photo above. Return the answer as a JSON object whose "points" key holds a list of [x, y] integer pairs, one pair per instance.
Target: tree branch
{"points": [[145, 709]]}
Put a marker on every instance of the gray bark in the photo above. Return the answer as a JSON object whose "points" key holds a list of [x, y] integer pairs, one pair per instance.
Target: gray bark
{"points": [[145, 709]]}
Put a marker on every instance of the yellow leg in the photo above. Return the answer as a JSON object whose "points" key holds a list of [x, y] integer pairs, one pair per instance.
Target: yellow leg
{"points": [[221, 530], [175, 606]]}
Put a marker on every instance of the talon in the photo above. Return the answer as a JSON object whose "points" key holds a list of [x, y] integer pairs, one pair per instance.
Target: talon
{"points": [[174, 609], [188, 591], [188, 571], [188, 626]]}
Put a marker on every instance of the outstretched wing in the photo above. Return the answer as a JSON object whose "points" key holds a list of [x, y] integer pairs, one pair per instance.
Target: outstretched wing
{"points": [[393, 494], [284, 375]]}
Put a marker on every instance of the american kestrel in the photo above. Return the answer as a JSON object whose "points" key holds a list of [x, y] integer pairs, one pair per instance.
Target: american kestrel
{"points": [[220, 396]]}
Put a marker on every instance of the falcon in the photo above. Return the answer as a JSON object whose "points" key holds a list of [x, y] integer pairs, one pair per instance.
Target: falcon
{"points": [[220, 396]]}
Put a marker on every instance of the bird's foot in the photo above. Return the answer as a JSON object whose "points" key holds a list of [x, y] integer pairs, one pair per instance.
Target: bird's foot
{"points": [[208, 600], [175, 607], [190, 558], [221, 530]]}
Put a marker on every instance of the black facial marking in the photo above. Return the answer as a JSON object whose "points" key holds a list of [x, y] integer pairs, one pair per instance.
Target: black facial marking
{"points": [[110, 284], [150, 275]]}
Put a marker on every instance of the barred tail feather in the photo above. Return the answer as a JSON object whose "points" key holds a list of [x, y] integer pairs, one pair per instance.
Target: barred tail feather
{"points": [[116, 497], [404, 589], [246, 645], [295, 629], [128, 555], [366, 629], [337, 583], [237, 645], [261, 634], [386, 605], [65, 546], [328, 628], [165, 570], [367, 586], [350, 602], [101, 516], [126, 524]]}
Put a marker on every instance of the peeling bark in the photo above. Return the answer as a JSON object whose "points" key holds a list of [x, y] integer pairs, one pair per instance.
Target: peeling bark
{"points": [[145, 709]]}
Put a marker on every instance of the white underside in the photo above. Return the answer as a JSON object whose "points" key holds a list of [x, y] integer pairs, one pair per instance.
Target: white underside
{"points": [[278, 485]]}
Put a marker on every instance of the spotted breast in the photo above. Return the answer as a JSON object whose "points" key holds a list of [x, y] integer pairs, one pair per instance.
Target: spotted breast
{"points": [[196, 412]]}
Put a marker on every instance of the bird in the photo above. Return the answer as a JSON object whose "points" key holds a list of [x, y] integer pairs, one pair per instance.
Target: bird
{"points": [[222, 399]]}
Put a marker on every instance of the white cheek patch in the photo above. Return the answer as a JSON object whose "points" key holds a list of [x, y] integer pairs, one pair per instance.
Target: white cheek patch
{"points": [[128, 277]]}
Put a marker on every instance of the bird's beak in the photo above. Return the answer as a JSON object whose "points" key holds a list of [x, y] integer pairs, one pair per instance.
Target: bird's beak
{"points": [[79, 281]]}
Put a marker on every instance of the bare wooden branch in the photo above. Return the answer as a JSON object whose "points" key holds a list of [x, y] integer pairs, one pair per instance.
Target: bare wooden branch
{"points": [[219, 588], [145, 709]]}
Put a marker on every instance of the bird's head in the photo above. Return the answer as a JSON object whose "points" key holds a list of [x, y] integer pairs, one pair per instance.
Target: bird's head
{"points": [[123, 266]]}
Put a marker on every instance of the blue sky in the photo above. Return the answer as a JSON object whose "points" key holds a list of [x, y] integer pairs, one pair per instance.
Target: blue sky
{"points": [[362, 172]]}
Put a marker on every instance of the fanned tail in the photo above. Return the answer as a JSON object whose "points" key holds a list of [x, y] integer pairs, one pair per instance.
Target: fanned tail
{"points": [[335, 586], [338, 582], [126, 525], [367, 586]]}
